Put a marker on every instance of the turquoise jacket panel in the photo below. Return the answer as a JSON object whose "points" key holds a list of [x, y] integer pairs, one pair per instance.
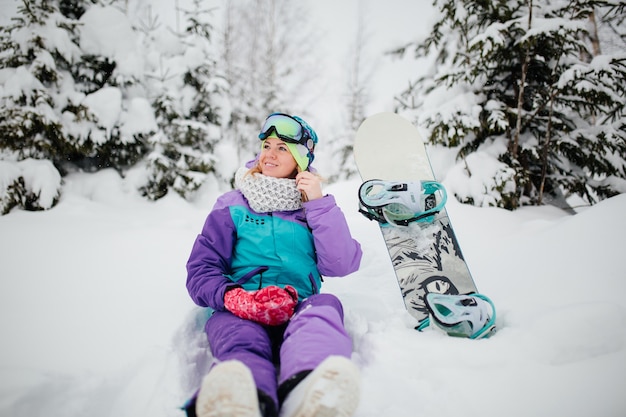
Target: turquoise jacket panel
{"points": [[238, 246], [282, 245]]}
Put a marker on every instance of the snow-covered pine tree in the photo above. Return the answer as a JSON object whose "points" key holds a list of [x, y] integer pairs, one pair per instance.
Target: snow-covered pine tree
{"points": [[511, 85], [66, 98], [189, 93], [30, 126]]}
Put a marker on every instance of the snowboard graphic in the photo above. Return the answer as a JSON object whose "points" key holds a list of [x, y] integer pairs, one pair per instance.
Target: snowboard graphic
{"points": [[425, 254]]}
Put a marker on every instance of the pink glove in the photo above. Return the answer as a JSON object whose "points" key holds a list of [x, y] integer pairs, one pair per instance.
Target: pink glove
{"points": [[271, 305]]}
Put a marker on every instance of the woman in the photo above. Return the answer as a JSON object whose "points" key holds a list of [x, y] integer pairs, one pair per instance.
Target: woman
{"points": [[279, 344]]}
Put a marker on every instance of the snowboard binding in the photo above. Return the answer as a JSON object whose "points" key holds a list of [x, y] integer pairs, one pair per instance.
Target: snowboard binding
{"points": [[401, 203], [472, 316]]}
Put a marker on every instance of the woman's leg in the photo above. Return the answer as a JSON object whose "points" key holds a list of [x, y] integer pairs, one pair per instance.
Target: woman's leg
{"points": [[317, 376], [232, 338], [314, 333]]}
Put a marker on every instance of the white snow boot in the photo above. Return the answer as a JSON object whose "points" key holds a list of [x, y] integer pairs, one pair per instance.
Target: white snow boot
{"points": [[330, 390], [228, 390]]}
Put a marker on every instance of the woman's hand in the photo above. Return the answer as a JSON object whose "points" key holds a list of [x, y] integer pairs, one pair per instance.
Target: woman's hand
{"points": [[310, 184], [271, 306]]}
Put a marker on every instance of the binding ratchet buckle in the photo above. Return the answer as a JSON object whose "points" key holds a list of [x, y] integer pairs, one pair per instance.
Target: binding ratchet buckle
{"points": [[401, 203]]}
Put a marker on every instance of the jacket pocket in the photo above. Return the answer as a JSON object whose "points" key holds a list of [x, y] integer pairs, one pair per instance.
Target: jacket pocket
{"points": [[256, 271]]}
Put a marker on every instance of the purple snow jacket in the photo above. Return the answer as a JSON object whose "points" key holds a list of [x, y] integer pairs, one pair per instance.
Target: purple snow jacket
{"points": [[238, 246]]}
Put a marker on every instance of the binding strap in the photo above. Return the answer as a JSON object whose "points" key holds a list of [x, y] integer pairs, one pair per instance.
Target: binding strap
{"points": [[400, 203]]}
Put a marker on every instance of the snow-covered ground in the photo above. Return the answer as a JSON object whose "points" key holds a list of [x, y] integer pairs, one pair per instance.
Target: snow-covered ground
{"points": [[95, 319]]}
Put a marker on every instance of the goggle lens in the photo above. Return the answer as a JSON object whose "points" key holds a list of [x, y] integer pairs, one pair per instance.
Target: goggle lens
{"points": [[285, 127]]}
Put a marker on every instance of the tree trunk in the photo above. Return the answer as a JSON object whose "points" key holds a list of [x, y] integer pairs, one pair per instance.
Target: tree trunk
{"points": [[514, 148], [593, 34]]}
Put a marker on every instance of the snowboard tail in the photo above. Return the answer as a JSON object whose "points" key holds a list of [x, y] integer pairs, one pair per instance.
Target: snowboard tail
{"points": [[424, 251]]}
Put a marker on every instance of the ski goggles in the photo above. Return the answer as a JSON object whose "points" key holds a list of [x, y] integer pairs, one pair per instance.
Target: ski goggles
{"points": [[288, 129]]}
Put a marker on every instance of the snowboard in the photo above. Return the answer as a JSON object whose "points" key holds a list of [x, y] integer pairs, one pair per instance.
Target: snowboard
{"points": [[425, 255]]}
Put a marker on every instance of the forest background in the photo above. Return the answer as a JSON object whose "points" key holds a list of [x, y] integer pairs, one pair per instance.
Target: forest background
{"points": [[529, 94]]}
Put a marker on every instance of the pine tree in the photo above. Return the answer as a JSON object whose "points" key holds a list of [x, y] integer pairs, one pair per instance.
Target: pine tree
{"points": [[31, 128], [29, 124], [511, 83], [53, 86], [187, 108]]}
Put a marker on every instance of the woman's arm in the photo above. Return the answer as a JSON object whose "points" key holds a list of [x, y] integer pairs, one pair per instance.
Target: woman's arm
{"points": [[209, 262], [338, 254]]}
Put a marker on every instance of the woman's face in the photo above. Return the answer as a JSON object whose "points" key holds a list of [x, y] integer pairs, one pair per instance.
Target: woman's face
{"points": [[276, 160]]}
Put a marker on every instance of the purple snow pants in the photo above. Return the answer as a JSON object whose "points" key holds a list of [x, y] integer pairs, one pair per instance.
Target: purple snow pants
{"points": [[315, 332]]}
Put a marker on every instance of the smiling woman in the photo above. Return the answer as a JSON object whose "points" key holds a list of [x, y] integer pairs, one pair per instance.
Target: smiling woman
{"points": [[276, 160], [279, 344], [287, 149]]}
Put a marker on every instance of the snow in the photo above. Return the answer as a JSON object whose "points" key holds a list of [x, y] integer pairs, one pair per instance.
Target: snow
{"points": [[482, 178], [95, 317], [41, 178], [139, 118], [105, 104], [16, 82], [107, 31]]}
